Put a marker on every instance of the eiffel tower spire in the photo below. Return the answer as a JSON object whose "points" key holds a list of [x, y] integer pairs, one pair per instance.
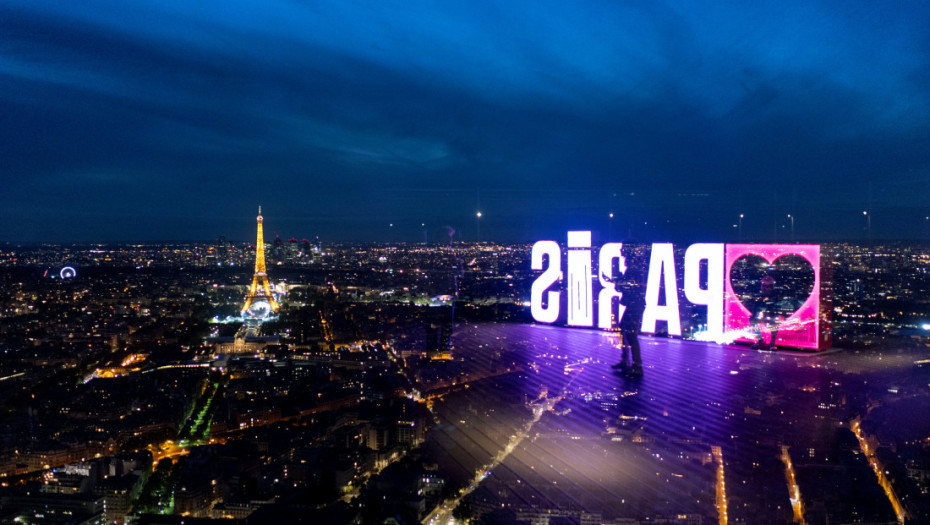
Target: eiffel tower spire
{"points": [[260, 289]]}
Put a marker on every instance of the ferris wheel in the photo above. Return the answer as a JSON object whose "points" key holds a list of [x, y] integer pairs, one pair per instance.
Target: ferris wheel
{"points": [[67, 273]]}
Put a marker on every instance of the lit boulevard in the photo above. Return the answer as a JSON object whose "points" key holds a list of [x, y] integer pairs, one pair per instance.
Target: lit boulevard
{"points": [[883, 480], [443, 512], [721, 487], [794, 492]]}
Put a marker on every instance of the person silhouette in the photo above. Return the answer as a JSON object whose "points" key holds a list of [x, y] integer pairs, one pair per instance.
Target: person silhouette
{"points": [[765, 314], [631, 360]]}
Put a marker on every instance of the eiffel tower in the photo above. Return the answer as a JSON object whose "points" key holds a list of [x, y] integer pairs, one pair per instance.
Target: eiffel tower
{"points": [[260, 291]]}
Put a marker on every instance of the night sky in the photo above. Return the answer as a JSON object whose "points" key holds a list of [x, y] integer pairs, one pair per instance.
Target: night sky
{"points": [[173, 120]]}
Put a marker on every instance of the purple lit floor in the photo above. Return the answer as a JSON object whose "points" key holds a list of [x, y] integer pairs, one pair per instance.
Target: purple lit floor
{"points": [[636, 448]]}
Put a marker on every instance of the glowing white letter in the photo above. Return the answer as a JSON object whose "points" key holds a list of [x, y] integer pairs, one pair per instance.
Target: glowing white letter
{"points": [[609, 292], [550, 312], [580, 292], [661, 260], [712, 296]]}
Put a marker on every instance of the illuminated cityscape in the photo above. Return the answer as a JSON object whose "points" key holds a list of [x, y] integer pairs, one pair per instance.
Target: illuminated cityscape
{"points": [[514, 263], [137, 393]]}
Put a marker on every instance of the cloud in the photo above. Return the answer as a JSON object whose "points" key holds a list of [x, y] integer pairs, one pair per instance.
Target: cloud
{"points": [[355, 100]]}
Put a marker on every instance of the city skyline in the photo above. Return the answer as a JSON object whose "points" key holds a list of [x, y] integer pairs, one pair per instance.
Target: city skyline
{"points": [[157, 121], [409, 380]]}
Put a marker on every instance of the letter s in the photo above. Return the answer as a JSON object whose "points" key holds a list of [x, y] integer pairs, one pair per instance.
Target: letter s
{"points": [[550, 312]]}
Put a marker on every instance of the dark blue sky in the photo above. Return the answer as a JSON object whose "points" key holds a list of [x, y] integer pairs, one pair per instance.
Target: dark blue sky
{"points": [[162, 119]]}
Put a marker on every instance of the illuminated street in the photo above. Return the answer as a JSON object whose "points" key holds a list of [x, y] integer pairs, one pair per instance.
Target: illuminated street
{"points": [[879, 471], [443, 512], [793, 490], [721, 487], [168, 449]]}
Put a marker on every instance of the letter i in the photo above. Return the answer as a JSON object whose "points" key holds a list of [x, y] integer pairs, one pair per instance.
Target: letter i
{"points": [[580, 287]]}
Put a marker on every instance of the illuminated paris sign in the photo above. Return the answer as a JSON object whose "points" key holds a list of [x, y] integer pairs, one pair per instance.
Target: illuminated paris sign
{"points": [[768, 294]]}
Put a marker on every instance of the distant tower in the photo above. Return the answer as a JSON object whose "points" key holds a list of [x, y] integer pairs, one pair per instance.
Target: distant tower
{"points": [[260, 291]]}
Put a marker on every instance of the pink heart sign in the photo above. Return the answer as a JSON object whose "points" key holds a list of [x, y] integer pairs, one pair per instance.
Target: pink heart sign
{"points": [[780, 283]]}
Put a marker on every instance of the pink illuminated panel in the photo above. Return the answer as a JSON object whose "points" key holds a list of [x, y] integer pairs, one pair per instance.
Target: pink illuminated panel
{"points": [[798, 328]]}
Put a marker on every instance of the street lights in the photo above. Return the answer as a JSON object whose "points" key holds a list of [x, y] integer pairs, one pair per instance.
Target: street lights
{"points": [[610, 225], [741, 226], [792, 226], [478, 226]]}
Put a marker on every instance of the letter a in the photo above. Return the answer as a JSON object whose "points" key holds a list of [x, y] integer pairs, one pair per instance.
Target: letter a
{"points": [[661, 269]]}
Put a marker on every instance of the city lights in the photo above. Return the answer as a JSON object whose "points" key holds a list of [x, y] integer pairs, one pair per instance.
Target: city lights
{"points": [[727, 319], [525, 409]]}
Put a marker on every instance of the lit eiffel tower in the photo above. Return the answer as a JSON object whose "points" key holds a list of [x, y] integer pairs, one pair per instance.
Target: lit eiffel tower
{"points": [[260, 292]]}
